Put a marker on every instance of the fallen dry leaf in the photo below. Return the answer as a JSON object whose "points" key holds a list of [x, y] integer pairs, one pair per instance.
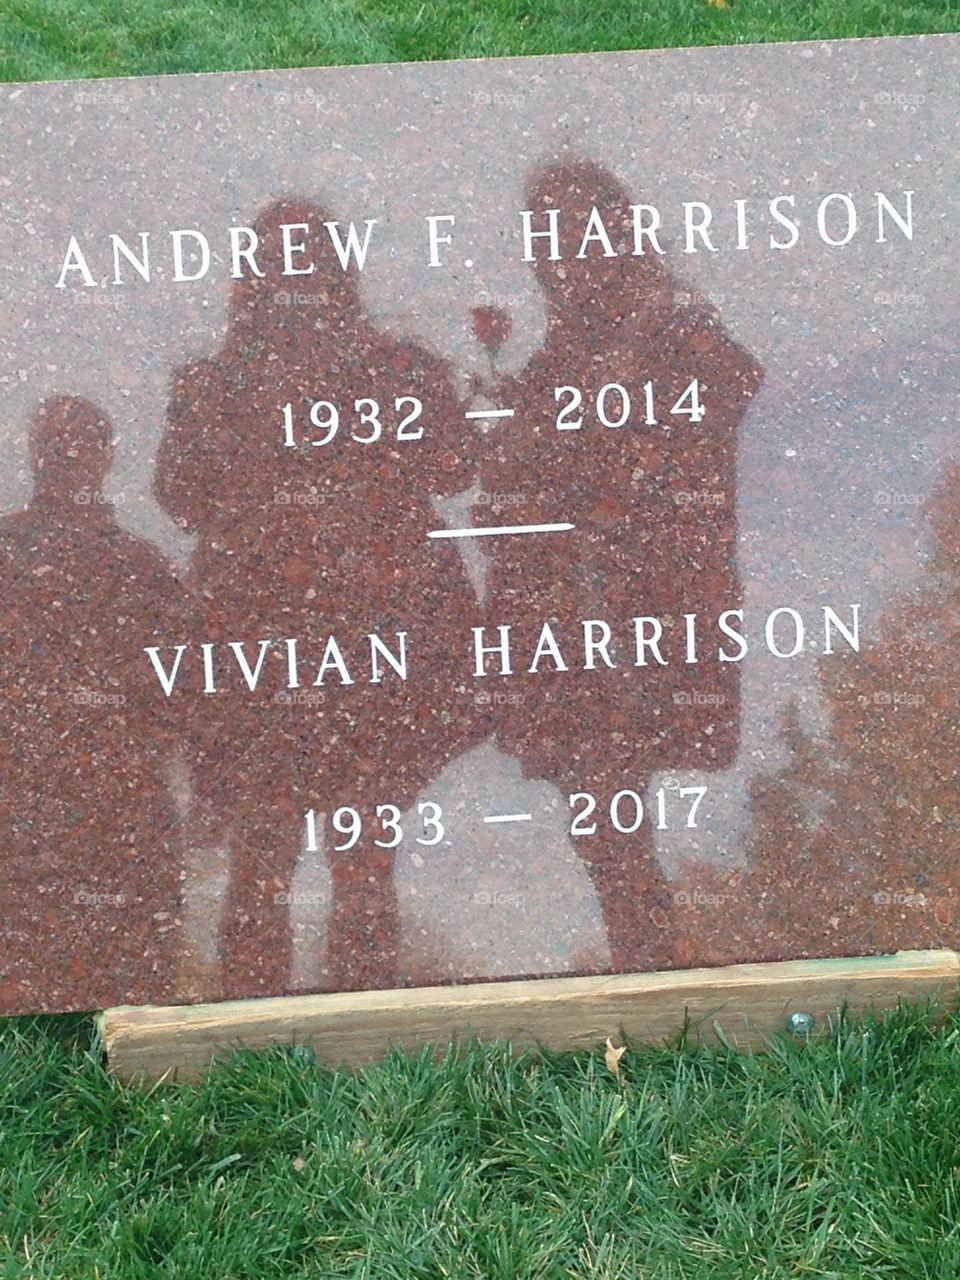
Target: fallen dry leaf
{"points": [[612, 1057]]}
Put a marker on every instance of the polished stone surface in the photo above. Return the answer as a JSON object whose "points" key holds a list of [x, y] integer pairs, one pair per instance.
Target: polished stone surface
{"points": [[690, 467]]}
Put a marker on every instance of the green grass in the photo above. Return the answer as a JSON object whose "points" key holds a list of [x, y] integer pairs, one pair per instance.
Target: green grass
{"points": [[61, 39], [836, 1159]]}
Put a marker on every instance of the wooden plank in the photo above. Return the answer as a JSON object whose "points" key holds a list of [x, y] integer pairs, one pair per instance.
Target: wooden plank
{"points": [[745, 1002]]}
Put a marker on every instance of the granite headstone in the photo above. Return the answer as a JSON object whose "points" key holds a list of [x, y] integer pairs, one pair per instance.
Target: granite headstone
{"points": [[478, 520]]}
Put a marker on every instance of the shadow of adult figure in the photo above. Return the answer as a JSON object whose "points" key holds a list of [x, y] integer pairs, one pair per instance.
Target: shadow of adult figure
{"points": [[308, 530], [653, 507], [91, 844]]}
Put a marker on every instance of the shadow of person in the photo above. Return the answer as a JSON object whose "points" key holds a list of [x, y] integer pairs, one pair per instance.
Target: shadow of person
{"points": [[653, 509], [312, 527], [92, 852]]}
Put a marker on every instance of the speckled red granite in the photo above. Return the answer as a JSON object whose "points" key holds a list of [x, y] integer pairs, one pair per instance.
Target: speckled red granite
{"points": [[152, 846]]}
